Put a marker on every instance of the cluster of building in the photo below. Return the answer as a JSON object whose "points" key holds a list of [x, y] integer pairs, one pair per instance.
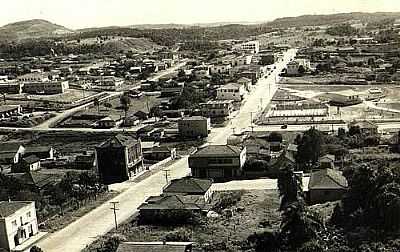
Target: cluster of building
{"points": [[35, 83]]}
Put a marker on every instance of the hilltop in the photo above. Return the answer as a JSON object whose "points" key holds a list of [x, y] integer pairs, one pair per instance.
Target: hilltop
{"points": [[32, 29]]}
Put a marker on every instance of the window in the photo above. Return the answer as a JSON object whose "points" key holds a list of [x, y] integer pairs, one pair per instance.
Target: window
{"points": [[28, 214], [14, 223]]}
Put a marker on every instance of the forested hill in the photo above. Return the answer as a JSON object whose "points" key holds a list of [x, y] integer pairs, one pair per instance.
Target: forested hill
{"points": [[312, 20]]}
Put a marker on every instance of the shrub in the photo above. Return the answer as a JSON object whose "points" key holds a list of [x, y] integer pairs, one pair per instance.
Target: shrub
{"points": [[180, 235], [36, 249], [227, 199]]}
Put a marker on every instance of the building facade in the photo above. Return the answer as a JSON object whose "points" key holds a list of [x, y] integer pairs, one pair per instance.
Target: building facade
{"points": [[47, 87], [219, 108], [231, 91], [18, 223], [218, 162], [118, 159], [195, 126]]}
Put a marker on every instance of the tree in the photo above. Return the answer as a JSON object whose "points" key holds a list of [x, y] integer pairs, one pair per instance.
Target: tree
{"points": [[125, 103], [275, 137], [96, 103], [289, 186], [309, 148], [298, 224], [36, 249], [301, 70]]}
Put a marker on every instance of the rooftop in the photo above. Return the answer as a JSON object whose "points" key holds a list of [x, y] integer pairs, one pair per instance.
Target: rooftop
{"points": [[118, 141], [8, 208], [154, 247], [327, 179], [171, 202], [188, 185], [218, 151]]}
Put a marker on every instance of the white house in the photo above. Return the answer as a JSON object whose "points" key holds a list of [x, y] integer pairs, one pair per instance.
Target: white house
{"points": [[250, 46], [231, 91], [221, 69], [18, 223], [194, 126]]}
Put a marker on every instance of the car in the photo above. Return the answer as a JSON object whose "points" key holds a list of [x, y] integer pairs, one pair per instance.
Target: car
{"points": [[284, 126]]}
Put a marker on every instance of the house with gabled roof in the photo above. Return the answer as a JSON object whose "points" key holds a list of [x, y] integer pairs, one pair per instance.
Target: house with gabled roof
{"points": [[326, 185], [18, 224], [11, 152], [119, 158], [170, 209], [190, 186], [218, 162]]}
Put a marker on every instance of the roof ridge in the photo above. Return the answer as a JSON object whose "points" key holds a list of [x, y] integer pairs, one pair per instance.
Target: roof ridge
{"points": [[333, 179]]}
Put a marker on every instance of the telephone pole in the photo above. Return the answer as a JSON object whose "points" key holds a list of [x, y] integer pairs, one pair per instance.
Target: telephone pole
{"points": [[115, 209], [166, 174]]}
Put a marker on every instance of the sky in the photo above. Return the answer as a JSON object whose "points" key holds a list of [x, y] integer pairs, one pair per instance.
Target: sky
{"points": [[77, 14]]}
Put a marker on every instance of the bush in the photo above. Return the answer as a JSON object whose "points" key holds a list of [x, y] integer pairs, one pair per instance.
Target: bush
{"points": [[227, 199], [36, 249], [169, 218], [181, 235], [311, 246]]}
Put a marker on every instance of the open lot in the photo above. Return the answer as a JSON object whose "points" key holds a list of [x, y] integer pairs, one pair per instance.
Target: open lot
{"points": [[68, 97], [115, 110], [222, 233], [366, 110]]}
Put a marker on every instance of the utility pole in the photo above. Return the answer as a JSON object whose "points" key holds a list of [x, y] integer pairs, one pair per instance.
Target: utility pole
{"points": [[166, 174], [115, 209]]}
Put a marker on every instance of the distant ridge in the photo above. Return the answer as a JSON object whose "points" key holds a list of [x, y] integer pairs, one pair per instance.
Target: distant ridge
{"points": [[37, 28], [32, 29]]}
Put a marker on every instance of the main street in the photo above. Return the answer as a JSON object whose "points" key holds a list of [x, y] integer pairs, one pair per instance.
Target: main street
{"points": [[87, 229]]}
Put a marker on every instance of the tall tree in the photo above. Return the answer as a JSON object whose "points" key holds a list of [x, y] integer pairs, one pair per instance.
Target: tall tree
{"points": [[96, 103], [125, 103]]}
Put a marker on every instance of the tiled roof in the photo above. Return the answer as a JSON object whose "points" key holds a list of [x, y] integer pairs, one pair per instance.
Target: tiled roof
{"points": [[197, 118], [188, 185], [118, 141], [31, 159], [30, 149], [218, 151], [9, 147], [154, 247], [327, 179], [170, 202], [8, 208], [327, 158]]}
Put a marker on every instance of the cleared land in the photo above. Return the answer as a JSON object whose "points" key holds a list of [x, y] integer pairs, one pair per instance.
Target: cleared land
{"points": [[222, 233]]}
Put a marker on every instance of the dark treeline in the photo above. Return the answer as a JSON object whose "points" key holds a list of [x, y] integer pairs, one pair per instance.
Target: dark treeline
{"points": [[163, 37]]}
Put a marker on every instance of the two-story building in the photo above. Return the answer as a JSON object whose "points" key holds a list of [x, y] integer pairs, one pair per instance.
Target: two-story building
{"points": [[194, 126], [221, 69], [119, 158], [218, 108], [250, 47], [231, 91], [46, 87], [218, 162], [18, 223]]}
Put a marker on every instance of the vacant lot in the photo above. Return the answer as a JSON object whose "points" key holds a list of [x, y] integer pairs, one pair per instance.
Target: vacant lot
{"points": [[69, 96], [213, 234], [113, 107]]}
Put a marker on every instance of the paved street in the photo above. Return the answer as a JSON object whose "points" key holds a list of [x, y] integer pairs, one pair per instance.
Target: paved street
{"points": [[85, 230]]}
